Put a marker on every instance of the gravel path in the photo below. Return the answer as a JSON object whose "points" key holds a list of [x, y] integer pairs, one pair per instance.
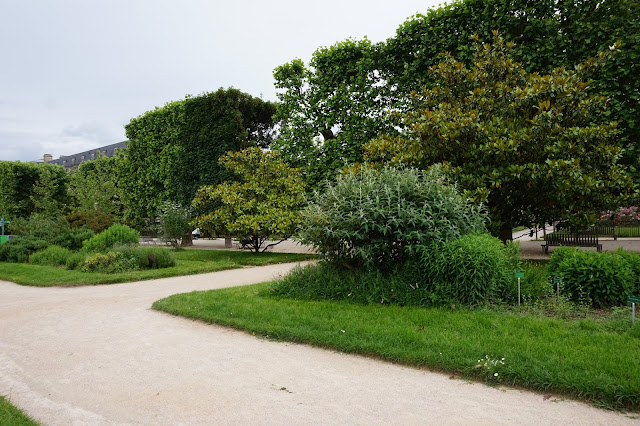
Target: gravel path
{"points": [[99, 355]]}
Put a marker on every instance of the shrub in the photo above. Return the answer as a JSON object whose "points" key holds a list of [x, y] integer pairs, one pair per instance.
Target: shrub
{"points": [[115, 235], [95, 220], [148, 257], [330, 281], [75, 261], [51, 256], [598, 279], [633, 262], [377, 218], [19, 249], [55, 231], [73, 239], [470, 270], [109, 262]]}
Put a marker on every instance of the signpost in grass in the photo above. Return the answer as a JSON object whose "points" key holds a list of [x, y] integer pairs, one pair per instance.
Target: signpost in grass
{"points": [[557, 281], [2, 223], [519, 275], [633, 300]]}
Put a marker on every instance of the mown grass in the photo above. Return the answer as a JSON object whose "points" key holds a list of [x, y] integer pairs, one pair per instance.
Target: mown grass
{"points": [[11, 416], [188, 262], [588, 359]]}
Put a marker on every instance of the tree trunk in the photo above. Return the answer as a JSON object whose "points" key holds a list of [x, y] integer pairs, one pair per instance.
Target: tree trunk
{"points": [[227, 241], [187, 240], [506, 233]]}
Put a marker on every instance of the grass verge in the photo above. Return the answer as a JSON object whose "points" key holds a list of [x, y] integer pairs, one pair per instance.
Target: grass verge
{"points": [[11, 416], [586, 359], [188, 262]]}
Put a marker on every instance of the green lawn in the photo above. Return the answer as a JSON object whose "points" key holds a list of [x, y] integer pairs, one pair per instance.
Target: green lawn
{"points": [[11, 416], [590, 359], [188, 262]]}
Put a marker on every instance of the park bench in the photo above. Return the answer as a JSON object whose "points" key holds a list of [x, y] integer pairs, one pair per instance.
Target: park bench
{"points": [[604, 230], [571, 240]]}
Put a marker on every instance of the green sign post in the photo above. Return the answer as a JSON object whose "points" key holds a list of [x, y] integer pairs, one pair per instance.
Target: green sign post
{"points": [[519, 275], [2, 223], [633, 300], [557, 281]]}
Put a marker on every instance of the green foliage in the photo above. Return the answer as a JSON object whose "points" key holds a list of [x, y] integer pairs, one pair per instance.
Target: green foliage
{"points": [[19, 249], [49, 193], [52, 256], [110, 262], [95, 220], [470, 270], [12, 416], [115, 235], [598, 279], [329, 109], [95, 188], [174, 150], [148, 257], [26, 188], [75, 261], [377, 218], [175, 223], [263, 203], [523, 143], [53, 230], [379, 78]]}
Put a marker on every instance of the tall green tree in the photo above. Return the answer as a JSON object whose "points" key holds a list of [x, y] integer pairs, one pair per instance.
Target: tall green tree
{"points": [[94, 186], [263, 202], [535, 148], [330, 108], [174, 150]]}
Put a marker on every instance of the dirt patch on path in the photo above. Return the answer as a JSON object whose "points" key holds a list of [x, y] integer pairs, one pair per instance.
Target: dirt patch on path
{"points": [[99, 355]]}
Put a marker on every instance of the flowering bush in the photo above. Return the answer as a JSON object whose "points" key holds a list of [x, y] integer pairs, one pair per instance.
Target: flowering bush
{"points": [[622, 215]]}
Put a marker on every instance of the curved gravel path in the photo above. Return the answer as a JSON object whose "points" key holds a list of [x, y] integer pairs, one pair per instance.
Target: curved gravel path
{"points": [[99, 355]]}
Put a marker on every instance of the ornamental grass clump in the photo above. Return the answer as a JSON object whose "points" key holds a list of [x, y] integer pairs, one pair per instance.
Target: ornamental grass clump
{"points": [[377, 218]]}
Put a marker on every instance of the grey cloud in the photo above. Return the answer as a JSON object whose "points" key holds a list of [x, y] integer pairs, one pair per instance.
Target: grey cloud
{"points": [[91, 131]]}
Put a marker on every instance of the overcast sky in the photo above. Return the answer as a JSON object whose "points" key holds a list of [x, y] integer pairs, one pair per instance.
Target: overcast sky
{"points": [[74, 72]]}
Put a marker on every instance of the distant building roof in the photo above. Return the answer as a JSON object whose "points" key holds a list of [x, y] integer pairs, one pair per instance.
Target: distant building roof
{"points": [[72, 161]]}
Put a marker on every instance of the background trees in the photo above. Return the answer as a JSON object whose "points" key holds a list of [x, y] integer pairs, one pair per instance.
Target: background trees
{"points": [[27, 188], [263, 202], [379, 78], [174, 150], [535, 148], [95, 186]]}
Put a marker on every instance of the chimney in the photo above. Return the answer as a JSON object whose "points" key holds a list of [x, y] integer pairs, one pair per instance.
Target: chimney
{"points": [[47, 157]]}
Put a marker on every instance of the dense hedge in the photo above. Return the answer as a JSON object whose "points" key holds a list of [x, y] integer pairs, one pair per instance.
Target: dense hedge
{"points": [[27, 188], [174, 150]]}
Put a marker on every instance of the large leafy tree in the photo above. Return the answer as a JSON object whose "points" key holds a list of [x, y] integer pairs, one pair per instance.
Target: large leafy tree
{"points": [[263, 202], [329, 108], [174, 150], [535, 148], [95, 186], [350, 86]]}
